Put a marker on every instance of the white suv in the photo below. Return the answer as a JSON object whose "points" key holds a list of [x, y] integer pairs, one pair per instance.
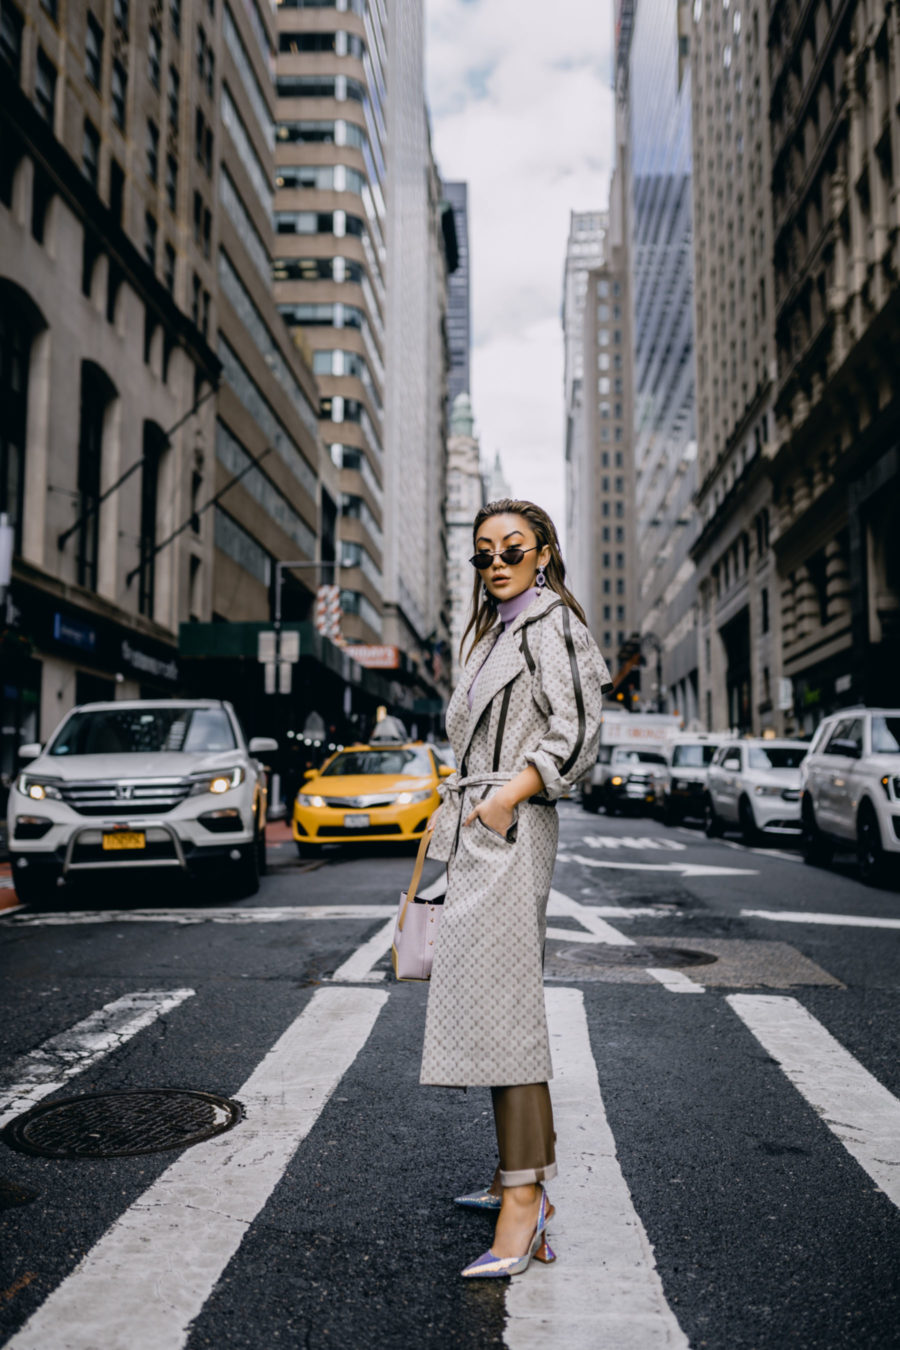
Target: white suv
{"points": [[755, 784], [138, 784], [851, 790]]}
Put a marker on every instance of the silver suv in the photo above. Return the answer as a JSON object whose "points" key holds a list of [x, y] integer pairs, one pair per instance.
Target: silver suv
{"points": [[851, 790], [138, 784], [755, 784]]}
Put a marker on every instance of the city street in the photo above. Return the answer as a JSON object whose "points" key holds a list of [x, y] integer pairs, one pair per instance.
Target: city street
{"points": [[725, 1024]]}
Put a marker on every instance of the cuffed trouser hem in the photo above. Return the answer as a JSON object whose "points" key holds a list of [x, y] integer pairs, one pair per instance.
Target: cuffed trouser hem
{"points": [[528, 1176], [523, 1116]]}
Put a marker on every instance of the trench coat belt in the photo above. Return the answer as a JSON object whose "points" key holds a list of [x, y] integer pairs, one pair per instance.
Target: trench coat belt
{"points": [[451, 792]]}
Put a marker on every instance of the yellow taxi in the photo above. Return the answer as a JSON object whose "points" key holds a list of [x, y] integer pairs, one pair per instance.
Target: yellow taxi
{"points": [[369, 793]]}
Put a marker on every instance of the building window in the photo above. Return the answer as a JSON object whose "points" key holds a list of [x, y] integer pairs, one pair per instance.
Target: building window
{"points": [[120, 13], [150, 233], [171, 181], [195, 300], [97, 392], [93, 51], [198, 217], [207, 233], [175, 16], [90, 153], [606, 586], [174, 95], [607, 612], [154, 448], [154, 53], [45, 86], [169, 268], [620, 586], [118, 93], [764, 601], [116, 191], [620, 558], [51, 7], [152, 151]]}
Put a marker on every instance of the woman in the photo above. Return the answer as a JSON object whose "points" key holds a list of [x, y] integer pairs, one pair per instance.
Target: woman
{"points": [[524, 722]]}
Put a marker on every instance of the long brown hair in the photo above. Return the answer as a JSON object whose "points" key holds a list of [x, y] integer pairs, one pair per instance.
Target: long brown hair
{"points": [[484, 607]]}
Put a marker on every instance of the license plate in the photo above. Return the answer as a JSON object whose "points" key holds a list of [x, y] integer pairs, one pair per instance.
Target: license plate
{"points": [[356, 822], [125, 839]]}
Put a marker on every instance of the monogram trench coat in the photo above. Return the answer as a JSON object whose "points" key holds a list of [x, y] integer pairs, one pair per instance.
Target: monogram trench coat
{"points": [[537, 701]]}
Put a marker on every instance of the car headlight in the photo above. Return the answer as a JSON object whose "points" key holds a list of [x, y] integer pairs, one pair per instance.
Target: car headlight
{"points": [[406, 798], [220, 782], [616, 782], [304, 799], [38, 788], [767, 790]]}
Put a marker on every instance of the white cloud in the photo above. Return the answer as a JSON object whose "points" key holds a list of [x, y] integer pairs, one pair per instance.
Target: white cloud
{"points": [[522, 109]]}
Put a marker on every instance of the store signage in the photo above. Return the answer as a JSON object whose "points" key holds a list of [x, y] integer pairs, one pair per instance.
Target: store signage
{"points": [[74, 633], [149, 665], [373, 657]]}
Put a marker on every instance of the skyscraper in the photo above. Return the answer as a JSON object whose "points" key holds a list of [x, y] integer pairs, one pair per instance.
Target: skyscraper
{"points": [[658, 140], [459, 316]]}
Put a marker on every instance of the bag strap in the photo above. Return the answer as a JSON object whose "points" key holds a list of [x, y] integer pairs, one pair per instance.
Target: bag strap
{"points": [[416, 876]]}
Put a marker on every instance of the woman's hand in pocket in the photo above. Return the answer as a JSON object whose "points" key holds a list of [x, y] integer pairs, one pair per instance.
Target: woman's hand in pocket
{"points": [[494, 813]]}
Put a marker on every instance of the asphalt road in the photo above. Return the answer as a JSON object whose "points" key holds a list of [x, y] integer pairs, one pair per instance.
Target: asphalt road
{"points": [[727, 1093]]}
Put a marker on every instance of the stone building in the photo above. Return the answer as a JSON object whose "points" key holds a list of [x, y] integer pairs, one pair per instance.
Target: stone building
{"points": [[834, 95], [107, 349], [459, 315], [465, 497], [739, 631]]}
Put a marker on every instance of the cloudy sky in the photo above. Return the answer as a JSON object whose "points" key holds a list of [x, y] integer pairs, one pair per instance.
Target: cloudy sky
{"points": [[522, 110]]}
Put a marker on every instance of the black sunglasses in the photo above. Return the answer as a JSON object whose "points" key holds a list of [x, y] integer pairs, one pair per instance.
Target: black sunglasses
{"points": [[511, 556]]}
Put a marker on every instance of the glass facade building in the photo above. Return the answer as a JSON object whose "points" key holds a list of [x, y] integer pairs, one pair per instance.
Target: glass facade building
{"points": [[459, 320]]}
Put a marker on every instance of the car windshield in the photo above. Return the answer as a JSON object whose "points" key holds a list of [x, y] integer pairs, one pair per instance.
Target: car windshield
{"points": [[692, 756], [776, 756], [138, 731], [412, 763], [639, 757], [886, 735]]}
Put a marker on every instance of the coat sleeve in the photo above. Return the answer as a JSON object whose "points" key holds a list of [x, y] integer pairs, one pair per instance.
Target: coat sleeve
{"points": [[572, 678]]}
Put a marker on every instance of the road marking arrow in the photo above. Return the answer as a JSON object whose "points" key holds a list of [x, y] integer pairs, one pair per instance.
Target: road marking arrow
{"points": [[684, 869]]}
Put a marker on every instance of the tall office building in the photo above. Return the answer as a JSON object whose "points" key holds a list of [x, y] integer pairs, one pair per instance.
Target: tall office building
{"points": [[585, 249], [134, 219], [834, 79], [459, 314], [653, 45], [331, 261], [740, 656], [465, 498]]}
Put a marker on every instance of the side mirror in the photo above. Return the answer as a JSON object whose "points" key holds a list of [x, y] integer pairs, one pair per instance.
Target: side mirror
{"points": [[444, 771], [310, 773], [30, 751], [263, 745]]}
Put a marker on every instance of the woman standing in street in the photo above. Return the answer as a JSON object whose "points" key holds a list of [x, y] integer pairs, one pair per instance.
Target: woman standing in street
{"points": [[524, 723]]}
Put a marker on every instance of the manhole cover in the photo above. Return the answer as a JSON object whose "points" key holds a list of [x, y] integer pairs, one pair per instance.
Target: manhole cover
{"points": [[121, 1124], [604, 955]]}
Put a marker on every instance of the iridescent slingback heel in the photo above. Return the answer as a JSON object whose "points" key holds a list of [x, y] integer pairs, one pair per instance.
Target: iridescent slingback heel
{"points": [[490, 1266], [485, 1200]]}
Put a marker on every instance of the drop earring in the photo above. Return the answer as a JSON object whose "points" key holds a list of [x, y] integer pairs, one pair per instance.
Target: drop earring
{"points": [[485, 593], [540, 580]]}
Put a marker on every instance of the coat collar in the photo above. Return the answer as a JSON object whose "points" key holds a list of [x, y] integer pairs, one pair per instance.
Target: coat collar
{"points": [[505, 664]]}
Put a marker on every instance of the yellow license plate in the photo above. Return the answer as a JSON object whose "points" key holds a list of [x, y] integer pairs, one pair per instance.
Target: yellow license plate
{"points": [[125, 839]]}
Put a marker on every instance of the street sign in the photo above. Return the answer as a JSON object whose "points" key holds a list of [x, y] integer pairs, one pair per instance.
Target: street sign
{"points": [[290, 646], [284, 677], [270, 670], [374, 657], [265, 647]]}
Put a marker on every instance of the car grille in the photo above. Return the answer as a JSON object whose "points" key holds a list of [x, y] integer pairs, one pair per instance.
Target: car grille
{"points": [[343, 803], [101, 797]]}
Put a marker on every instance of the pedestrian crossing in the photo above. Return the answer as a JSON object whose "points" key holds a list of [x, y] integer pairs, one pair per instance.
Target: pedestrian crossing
{"points": [[165, 1254]]}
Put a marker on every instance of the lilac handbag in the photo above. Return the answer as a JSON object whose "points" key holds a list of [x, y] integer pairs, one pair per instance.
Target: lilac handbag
{"points": [[417, 925]]}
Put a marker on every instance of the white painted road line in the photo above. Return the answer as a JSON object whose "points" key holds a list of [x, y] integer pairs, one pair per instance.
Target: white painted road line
{"points": [[150, 1274], [853, 1104], [282, 914], [614, 841], [604, 1292], [560, 905], [47, 1069], [802, 916], [683, 869], [675, 981], [357, 969]]}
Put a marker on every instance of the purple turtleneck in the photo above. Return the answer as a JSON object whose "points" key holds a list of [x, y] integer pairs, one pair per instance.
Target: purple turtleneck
{"points": [[508, 610]]}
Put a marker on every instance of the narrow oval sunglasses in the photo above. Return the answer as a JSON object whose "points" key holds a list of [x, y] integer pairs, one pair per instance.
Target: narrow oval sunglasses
{"points": [[511, 556]]}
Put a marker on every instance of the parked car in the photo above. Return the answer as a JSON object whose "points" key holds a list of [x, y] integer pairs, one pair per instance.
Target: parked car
{"points": [[755, 784], [851, 790], [367, 793], [139, 784], [637, 731], [631, 777], [684, 789]]}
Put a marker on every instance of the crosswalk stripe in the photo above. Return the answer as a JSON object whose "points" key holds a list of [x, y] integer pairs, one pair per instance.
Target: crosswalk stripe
{"points": [[357, 969], [148, 1277], [561, 905], [47, 1069], [675, 980], [852, 1103], [189, 917], [604, 1291]]}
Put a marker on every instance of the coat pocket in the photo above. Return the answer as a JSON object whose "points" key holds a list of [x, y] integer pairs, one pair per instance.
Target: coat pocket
{"points": [[509, 837]]}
